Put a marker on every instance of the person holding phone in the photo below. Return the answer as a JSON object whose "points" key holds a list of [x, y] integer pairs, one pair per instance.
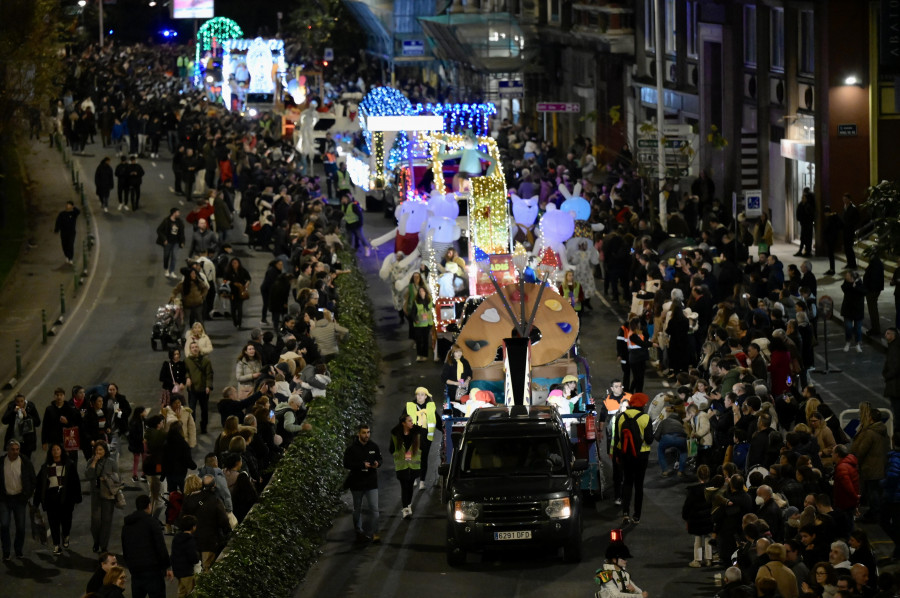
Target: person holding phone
{"points": [[363, 459]]}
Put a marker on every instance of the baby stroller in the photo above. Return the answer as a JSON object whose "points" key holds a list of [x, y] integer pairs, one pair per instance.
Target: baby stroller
{"points": [[168, 329]]}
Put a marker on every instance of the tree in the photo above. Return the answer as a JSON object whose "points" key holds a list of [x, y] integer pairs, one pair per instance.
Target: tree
{"points": [[322, 23], [30, 62], [883, 205]]}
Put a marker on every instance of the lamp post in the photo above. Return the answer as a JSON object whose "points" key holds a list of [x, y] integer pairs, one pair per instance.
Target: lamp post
{"points": [[83, 3]]}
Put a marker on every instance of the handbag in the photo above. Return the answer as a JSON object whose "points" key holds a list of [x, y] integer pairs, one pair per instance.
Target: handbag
{"points": [[27, 426], [241, 290], [461, 391], [692, 446], [72, 438], [40, 532], [176, 387]]}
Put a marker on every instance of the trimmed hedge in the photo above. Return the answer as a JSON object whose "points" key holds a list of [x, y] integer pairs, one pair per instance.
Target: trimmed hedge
{"points": [[274, 547]]}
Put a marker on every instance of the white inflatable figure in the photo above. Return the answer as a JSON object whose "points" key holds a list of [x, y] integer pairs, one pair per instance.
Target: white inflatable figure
{"points": [[524, 216], [306, 143], [442, 234], [393, 271], [447, 281], [582, 257], [556, 228], [443, 206], [411, 216], [575, 204]]}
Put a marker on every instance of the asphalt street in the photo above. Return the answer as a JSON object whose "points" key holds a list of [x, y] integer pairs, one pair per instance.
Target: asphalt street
{"points": [[108, 340]]}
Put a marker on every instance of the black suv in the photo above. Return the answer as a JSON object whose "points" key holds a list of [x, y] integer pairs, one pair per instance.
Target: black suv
{"points": [[513, 480]]}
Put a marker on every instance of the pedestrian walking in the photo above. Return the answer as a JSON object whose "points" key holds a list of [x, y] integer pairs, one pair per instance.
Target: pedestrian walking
{"points": [[422, 319], [853, 309], [238, 279], [170, 236], [213, 526], [830, 235], [136, 444], [104, 181], [22, 421], [58, 490], [806, 216], [426, 418], [199, 383], [144, 550], [185, 556], [134, 178], [363, 458], [353, 222], [406, 451], [102, 472], [634, 435], [873, 281], [65, 226], [17, 484], [850, 220]]}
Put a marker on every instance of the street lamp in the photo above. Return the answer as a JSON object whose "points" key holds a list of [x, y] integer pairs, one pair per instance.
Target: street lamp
{"points": [[852, 80]]}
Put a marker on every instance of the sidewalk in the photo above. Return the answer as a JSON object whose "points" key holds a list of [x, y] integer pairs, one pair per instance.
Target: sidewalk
{"points": [[831, 286], [35, 281]]}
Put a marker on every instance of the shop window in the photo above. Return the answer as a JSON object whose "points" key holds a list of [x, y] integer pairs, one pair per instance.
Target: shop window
{"points": [[777, 38], [692, 10], [649, 25], [750, 35], [671, 48], [807, 43]]}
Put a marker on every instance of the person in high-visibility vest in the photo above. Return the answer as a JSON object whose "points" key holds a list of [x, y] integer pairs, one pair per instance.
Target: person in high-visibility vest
{"points": [[423, 320], [424, 414], [407, 454], [344, 184], [616, 401], [353, 222]]}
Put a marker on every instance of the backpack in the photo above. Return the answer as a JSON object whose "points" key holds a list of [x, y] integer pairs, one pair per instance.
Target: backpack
{"points": [[631, 435]]}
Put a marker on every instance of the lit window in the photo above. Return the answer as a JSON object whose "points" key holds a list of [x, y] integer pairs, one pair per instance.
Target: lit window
{"points": [[649, 25], [671, 48], [553, 11]]}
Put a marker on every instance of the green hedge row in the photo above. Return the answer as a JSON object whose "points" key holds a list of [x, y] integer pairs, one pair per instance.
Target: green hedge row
{"points": [[274, 547]]}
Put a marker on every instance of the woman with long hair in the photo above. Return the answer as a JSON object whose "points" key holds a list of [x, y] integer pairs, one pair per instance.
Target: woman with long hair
{"points": [[197, 334], [238, 279], [412, 291], [58, 490], [176, 457], [457, 372], [153, 461], [172, 376], [96, 426], [102, 472], [119, 408], [823, 436], [423, 320], [113, 583], [191, 292], [405, 448], [247, 370]]}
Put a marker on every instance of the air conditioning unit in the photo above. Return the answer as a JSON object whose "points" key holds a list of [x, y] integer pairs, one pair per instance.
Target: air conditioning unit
{"points": [[693, 75], [806, 95], [671, 72], [750, 86], [776, 91]]}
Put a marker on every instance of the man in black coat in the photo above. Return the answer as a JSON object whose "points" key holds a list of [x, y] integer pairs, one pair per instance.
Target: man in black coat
{"points": [[65, 226], [104, 182], [134, 176], [58, 415], [363, 458], [17, 484], [851, 223], [873, 280], [22, 421], [806, 216], [144, 551]]}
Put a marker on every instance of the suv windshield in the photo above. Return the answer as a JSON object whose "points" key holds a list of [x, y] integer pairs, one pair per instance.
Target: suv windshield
{"points": [[492, 456]]}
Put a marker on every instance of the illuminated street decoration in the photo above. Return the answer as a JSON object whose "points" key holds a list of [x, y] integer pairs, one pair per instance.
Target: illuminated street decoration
{"points": [[254, 65], [213, 32]]}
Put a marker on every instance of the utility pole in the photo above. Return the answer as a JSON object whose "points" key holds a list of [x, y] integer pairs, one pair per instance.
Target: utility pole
{"points": [[660, 19], [100, 10]]}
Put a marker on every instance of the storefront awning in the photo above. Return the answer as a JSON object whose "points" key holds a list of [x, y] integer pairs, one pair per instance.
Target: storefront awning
{"points": [[379, 40]]}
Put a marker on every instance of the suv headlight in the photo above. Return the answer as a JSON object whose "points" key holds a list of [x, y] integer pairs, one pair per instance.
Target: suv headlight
{"points": [[558, 508], [465, 510]]}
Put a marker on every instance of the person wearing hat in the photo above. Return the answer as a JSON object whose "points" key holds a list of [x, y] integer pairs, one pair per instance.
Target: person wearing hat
{"points": [[613, 579], [425, 417], [569, 386], [634, 435]]}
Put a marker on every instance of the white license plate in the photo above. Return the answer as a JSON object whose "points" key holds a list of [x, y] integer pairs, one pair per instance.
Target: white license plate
{"points": [[517, 535]]}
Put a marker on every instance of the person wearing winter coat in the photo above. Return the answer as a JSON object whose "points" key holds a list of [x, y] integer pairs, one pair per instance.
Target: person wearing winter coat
{"points": [[853, 309], [185, 555], [846, 480], [199, 383], [177, 458], [200, 500], [22, 421], [670, 433], [327, 333], [697, 514], [102, 473], [58, 489], [176, 411], [781, 573], [104, 181], [870, 445], [211, 467], [144, 550]]}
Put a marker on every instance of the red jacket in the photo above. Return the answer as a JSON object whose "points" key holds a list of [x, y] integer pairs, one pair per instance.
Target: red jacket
{"points": [[779, 370], [846, 483]]}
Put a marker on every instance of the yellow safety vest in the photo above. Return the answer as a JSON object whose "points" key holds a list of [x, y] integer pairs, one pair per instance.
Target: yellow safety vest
{"points": [[425, 416]]}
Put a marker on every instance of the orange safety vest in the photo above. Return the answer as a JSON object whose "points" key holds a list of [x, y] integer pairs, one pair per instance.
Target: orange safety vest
{"points": [[613, 405]]}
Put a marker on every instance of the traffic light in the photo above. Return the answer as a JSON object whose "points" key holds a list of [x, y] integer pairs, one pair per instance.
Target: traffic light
{"points": [[615, 535]]}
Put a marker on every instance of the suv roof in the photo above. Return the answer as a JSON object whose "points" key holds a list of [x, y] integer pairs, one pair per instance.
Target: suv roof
{"points": [[541, 419]]}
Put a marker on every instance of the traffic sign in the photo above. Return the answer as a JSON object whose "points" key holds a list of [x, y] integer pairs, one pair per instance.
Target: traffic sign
{"points": [[328, 54], [680, 130], [569, 107], [510, 89], [413, 47]]}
